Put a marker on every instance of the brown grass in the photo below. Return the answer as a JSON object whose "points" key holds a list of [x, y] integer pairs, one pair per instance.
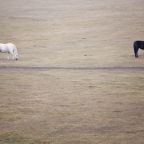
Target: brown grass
{"points": [[72, 106]]}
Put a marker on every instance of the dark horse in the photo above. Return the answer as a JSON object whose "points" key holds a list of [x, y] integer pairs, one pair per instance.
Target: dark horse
{"points": [[138, 45]]}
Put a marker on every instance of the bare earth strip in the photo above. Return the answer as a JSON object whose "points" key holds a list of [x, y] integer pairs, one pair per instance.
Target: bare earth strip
{"points": [[36, 68]]}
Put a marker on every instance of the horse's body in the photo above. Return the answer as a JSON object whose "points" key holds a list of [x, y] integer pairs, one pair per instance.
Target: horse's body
{"points": [[138, 45], [9, 48]]}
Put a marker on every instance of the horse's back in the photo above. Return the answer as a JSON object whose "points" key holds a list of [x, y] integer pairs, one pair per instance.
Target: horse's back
{"points": [[11, 45], [139, 44], [7, 44], [8, 47]]}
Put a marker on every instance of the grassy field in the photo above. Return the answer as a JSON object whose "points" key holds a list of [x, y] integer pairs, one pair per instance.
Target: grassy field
{"points": [[74, 100]]}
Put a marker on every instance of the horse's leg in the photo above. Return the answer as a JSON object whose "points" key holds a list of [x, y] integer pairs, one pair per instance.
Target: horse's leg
{"points": [[13, 56], [136, 48], [8, 57]]}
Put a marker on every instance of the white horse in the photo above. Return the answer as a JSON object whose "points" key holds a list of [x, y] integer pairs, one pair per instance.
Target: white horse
{"points": [[11, 49]]}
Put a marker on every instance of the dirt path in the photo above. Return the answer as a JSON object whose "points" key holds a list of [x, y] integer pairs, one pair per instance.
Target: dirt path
{"points": [[36, 68]]}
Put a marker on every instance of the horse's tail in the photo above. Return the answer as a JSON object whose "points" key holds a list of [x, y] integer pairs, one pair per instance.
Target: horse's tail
{"points": [[135, 46]]}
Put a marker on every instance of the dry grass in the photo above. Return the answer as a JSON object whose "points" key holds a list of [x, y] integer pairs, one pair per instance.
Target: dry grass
{"points": [[65, 106], [73, 106]]}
